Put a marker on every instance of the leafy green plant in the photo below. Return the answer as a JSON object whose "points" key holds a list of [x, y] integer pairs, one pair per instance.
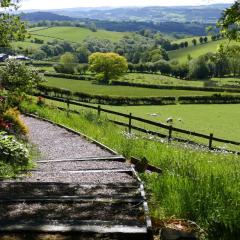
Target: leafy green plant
{"points": [[12, 151]]}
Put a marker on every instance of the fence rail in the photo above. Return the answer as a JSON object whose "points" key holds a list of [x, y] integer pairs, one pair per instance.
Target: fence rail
{"points": [[130, 126]]}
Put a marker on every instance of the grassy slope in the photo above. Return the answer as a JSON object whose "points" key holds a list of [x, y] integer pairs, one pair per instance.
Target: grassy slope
{"points": [[196, 51], [75, 34], [88, 87], [193, 186]]}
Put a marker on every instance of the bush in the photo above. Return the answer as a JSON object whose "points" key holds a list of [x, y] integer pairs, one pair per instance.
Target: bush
{"points": [[12, 151], [12, 118]]}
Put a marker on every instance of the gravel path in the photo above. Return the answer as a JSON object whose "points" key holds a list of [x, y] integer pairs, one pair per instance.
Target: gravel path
{"points": [[54, 142], [76, 178]]}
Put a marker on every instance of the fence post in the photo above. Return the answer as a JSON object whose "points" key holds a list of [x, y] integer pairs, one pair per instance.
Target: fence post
{"points": [[210, 141], [68, 106], [99, 110], [170, 133], [130, 123]]}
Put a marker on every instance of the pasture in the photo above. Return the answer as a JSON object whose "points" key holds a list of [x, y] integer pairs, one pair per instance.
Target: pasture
{"points": [[74, 34], [221, 120], [195, 51], [111, 90], [158, 79]]}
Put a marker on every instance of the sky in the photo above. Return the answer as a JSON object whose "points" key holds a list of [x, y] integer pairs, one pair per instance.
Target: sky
{"points": [[58, 4]]}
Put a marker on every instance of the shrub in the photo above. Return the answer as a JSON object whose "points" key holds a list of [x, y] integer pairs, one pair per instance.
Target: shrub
{"points": [[12, 118], [12, 151]]}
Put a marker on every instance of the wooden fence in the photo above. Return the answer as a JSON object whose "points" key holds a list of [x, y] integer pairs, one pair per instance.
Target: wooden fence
{"points": [[130, 117]]}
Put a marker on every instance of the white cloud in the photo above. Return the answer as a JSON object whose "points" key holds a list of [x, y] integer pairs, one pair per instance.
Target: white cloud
{"points": [[57, 4]]}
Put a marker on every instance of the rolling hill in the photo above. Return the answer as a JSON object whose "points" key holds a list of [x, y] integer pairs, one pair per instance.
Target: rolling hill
{"points": [[196, 51], [73, 34]]}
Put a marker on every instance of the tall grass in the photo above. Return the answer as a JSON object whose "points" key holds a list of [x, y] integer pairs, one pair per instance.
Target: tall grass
{"points": [[200, 186]]}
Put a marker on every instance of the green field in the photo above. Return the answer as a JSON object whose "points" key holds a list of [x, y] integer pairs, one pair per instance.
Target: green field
{"points": [[74, 34], [158, 79], [89, 87], [196, 51], [221, 120], [26, 44]]}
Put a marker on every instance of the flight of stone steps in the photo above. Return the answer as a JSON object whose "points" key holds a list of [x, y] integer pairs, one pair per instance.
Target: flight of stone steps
{"points": [[86, 198]]}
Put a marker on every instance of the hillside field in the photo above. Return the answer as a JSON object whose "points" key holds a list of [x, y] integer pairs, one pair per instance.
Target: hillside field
{"points": [[111, 90], [196, 51], [74, 34]]}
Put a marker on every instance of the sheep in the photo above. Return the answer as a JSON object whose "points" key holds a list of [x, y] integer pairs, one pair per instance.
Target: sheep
{"points": [[169, 120]]}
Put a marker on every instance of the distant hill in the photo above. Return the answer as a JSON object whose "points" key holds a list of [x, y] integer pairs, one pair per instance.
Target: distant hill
{"points": [[206, 13], [40, 16]]}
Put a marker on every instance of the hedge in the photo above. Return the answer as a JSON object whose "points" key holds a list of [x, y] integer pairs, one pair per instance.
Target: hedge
{"points": [[206, 89], [214, 99], [69, 76], [102, 99], [41, 63]]}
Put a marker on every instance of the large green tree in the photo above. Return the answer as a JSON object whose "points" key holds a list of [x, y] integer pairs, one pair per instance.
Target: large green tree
{"points": [[230, 22], [107, 66], [11, 27]]}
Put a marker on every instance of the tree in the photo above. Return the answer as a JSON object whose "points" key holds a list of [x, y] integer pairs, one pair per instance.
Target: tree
{"points": [[82, 54], [11, 28], [230, 22], [221, 62], [198, 68], [205, 39], [194, 41], [68, 64], [107, 66], [233, 54], [201, 40], [18, 78]]}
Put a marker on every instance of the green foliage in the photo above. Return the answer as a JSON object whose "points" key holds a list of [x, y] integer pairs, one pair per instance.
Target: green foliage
{"points": [[198, 69], [11, 28], [12, 151], [19, 79], [107, 66], [233, 54], [230, 22], [68, 64]]}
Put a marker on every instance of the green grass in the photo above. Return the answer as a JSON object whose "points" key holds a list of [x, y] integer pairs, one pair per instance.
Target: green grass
{"points": [[196, 51], [74, 34], [26, 44], [89, 87], [221, 120], [158, 79], [195, 185]]}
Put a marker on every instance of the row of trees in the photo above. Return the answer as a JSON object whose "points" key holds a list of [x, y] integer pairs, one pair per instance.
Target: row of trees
{"points": [[224, 62]]}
